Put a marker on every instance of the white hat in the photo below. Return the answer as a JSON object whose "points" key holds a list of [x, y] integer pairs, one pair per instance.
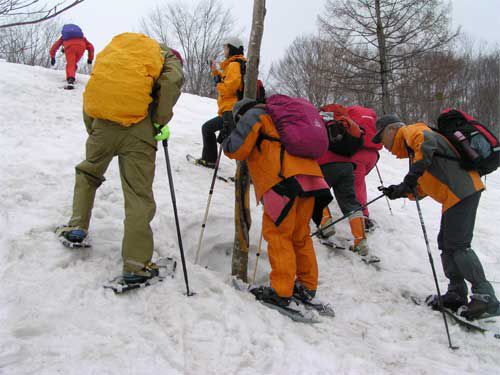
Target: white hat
{"points": [[233, 40]]}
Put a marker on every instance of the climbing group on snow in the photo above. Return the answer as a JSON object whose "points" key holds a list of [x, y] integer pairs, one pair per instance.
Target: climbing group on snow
{"points": [[296, 156]]}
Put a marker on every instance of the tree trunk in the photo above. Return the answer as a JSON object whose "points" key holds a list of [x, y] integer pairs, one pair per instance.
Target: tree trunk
{"points": [[384, 71], [242, 217]]}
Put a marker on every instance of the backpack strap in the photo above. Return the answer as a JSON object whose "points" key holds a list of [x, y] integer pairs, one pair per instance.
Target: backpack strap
{"points": [[264, 137], [243, 71]]}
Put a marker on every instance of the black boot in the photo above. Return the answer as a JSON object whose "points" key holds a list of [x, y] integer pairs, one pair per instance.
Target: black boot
{"points": [[269, 295], [479, 304], [303, 294], [369, 225], [451, 300]]}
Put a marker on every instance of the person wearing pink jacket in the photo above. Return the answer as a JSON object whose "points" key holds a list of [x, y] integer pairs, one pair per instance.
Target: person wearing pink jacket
{"points": [[366, 158]]}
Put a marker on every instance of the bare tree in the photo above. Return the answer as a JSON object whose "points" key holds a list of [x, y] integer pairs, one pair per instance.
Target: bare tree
{"points": [[197, 32], [29, 44], [28, 12], [311, 68], [389, 32]]}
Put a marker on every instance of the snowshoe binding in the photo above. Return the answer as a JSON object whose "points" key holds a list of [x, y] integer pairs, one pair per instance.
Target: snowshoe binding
{"points": [[286, 306], [72, 237], [151, 274], [308, 298]]}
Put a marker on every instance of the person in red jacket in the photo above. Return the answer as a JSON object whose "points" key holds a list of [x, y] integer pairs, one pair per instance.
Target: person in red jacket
{"points": [[367, 157], [74, 44], [338, 171]]}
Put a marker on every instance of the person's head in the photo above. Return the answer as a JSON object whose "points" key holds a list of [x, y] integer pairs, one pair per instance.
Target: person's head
{"points": [[232, 46], [387, 127]]}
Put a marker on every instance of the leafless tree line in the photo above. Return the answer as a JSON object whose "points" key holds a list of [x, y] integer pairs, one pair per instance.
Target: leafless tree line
{"points": [[425, 67], [197, 32], [29, 12]]}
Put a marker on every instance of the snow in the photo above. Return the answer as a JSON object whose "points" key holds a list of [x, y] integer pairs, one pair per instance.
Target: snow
{"points": [[55, 317]]}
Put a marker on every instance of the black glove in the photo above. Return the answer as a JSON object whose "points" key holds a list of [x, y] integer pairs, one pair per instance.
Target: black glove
{"points": [[52, 61], [223, 134], [217, 79], [89, 62], [397, 191]]}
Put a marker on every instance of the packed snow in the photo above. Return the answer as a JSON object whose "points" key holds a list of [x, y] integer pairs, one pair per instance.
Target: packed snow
{"points": [[56, 318]]}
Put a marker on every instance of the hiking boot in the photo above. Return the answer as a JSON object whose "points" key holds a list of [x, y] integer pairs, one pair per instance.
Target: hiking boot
{"points": [[479, 304], [328, 232], [303, 294], [74, 235], [361, 248], [369, 225], [71, 81], [269, 295], [451, 300], [139, 276]]}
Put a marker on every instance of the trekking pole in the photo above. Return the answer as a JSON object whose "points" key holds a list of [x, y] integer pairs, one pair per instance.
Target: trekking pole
{"points": [[210, 193], [440, 300], [382, 183], [257, 260], [174, 204], [347, 215]]}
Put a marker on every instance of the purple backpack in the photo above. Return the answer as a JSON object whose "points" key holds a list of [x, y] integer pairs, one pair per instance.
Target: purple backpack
{"points": [[70, 31], [301, 128]]}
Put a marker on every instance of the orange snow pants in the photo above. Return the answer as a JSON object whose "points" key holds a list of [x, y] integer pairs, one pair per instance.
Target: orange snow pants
{"points": [[290, 249], [73, 54]]}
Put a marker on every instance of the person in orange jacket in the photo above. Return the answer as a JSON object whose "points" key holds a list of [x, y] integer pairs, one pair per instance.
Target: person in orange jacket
{"points": [[293, 191], [229, 81], [74, 44], [432, 173]]}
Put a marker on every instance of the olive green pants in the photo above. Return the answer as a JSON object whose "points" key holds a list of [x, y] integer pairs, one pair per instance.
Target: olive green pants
{"points": [[136, 160]]}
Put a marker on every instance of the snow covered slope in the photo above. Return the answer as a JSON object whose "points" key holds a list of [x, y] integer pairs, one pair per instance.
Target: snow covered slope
{"points": [[55, 317]]}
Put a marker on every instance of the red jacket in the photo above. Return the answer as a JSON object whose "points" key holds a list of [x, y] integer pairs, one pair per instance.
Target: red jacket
{"points": [[83, 43]]}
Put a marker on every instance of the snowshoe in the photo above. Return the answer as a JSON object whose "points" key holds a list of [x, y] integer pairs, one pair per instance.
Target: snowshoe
{"points": [[72, 237], [326, 230], [152, 274], [308, 298], [451, 300], [332, 244], [201, 162], [286, 306], [362, 249], [479, 305]]}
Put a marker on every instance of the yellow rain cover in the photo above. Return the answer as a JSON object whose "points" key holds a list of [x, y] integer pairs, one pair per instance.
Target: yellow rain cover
{"points": [[120, 86]]}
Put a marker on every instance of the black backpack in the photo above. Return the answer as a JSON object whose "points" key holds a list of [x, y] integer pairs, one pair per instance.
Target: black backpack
{"points": [[345, 137], [479, 149], [261, 92]]}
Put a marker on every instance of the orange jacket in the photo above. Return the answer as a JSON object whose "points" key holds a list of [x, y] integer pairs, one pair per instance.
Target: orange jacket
{"points": [[231, 82], [264, 159], [440, 178], [81, 42]]}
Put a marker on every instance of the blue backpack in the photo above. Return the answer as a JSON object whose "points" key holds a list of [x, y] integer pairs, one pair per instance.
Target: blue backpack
{"points": [[70, 31]]}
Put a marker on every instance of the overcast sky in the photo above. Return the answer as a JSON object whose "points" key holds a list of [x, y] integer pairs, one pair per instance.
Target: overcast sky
{"points": [[285, 20]]}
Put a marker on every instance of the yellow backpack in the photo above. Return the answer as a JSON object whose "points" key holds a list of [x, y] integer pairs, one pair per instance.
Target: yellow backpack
{"points": [[120, 86]]}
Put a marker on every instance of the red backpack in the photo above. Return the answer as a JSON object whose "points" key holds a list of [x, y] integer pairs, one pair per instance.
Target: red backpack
{"points": [[345, 137]]}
